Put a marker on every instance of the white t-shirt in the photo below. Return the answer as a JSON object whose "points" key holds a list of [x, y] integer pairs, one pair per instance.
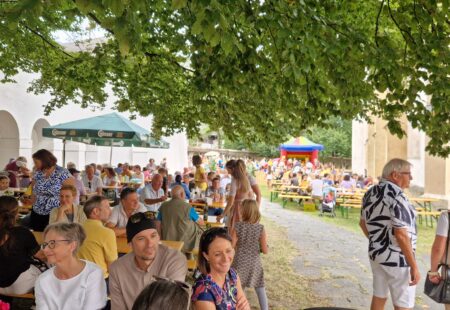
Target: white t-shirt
{"points": [[108, 180], [149, 193], [87, 290], [317, 187], [95, 183], [442, 226], [118, 217]]}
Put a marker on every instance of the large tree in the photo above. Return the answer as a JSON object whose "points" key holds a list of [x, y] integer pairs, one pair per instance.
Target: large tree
{"points": [[256, 69]]}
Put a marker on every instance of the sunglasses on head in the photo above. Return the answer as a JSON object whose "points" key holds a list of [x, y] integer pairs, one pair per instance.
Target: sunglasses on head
{"points": [[137, 217], [213, 232]]}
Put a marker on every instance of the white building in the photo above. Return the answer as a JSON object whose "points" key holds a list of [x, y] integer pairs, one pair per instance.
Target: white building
{"points": [[373, 146], [22, 119]]}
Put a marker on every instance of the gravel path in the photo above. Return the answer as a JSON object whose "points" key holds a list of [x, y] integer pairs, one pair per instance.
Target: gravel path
{"points": [[335, 260]]}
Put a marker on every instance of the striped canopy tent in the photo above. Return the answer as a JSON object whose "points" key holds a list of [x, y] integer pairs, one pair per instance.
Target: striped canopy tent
{"points": [[301, 148]]}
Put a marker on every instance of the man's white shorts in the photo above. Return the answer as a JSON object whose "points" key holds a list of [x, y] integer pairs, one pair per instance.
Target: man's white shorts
{"points": [[394, 280]]}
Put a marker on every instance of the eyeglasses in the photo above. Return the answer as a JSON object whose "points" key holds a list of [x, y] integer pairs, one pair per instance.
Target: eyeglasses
{"points": [[408, 173], [137, 217], [52, 244]]}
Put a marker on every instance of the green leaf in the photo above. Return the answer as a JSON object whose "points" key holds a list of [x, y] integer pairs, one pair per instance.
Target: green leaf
{"points": [[178, 4], [227, 43]]}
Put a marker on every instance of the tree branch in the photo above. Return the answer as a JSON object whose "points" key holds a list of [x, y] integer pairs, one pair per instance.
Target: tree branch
{"points": [[148, 54], [417, 19], [378, 22], [46, 40], [398, 26]]}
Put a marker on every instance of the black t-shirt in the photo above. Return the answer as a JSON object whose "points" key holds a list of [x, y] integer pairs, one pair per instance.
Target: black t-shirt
{"points": [[16, 259]]}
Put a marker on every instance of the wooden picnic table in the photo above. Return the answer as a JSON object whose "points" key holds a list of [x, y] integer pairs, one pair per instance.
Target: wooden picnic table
{"points": [[219, 204], [287, 195], [111, 187], [284, 188], [18, 189], [293, 187], [425, 208], [122, 244], [213, 224]]}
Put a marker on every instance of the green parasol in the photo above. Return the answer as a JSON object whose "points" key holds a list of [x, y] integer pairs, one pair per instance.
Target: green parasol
{"points": [[106, 130]]}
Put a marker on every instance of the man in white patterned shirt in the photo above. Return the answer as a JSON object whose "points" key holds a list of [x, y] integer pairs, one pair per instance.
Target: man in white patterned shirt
{"points": [[388, 220]]}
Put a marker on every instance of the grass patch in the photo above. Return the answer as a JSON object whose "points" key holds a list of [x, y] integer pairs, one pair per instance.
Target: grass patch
{"points": [[425, 233]]}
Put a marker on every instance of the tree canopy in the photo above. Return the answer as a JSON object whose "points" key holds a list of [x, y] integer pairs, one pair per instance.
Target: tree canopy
{"points": [[257, 69]]}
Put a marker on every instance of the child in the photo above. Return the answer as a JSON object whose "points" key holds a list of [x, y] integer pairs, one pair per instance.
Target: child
{"points": [[4, 185], [249, 239]]}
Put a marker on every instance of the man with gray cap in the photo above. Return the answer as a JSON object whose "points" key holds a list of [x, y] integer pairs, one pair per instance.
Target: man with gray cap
{"points": [[132, 272]]}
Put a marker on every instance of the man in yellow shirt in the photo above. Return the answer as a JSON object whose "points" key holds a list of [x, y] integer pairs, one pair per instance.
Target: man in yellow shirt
{"points": [[100, 246]]}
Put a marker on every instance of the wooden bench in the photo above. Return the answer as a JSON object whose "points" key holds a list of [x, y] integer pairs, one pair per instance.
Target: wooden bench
{"points": [[347, 206], [191, 264], [274, 193], [431, 214], [23, 296], [285, 198]]}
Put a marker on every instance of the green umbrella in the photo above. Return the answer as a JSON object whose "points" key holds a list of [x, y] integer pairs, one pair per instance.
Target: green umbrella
{"points": [[106, 130]]}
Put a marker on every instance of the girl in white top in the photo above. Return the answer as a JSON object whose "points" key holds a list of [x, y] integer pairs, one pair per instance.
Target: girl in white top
{"points": [[72, 283]]}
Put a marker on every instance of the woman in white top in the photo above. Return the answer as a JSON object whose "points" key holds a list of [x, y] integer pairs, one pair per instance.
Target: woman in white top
{"points": [[110, 178], [138, 177], [243, 186], [72, 283], [68, 211]]}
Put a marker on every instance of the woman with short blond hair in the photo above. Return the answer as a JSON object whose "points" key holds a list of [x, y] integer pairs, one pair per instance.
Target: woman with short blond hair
{"points": [[68, 211], [72, 283]]}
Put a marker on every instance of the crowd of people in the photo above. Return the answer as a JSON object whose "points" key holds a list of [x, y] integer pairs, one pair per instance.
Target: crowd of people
{"points": [[302, 173], [81, 215]]}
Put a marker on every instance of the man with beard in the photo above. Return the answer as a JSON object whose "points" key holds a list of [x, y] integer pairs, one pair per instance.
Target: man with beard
{"points": [[132, 272]]}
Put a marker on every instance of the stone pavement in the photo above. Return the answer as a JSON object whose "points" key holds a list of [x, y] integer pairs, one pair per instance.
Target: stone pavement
{"points": [[335, 260]]}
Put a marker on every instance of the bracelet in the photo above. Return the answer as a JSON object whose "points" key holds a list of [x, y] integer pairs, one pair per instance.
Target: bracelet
{"points": [[433, 273]]}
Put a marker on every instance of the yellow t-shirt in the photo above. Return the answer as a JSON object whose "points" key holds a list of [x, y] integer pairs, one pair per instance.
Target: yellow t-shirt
{"points": [[100, 246], [199, 172]]}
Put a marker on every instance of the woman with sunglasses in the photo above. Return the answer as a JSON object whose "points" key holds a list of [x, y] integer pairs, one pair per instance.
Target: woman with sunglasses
{"points": [[17, 246], [218, 286], [72, 283]]}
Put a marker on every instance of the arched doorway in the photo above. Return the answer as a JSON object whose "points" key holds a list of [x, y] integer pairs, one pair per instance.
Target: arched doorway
{"points": [[40, 142], [9, 138]]}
